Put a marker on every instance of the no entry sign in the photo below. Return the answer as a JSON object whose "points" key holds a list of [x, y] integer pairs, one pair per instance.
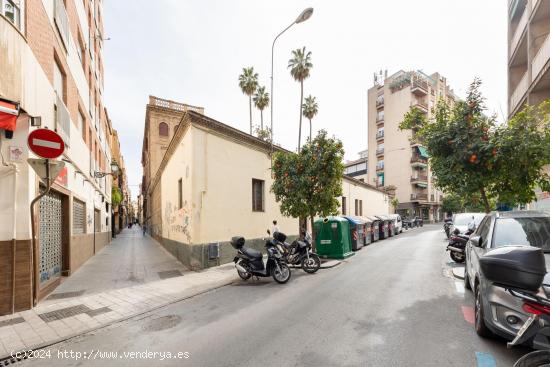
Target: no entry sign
{"points": [[46, 143]]}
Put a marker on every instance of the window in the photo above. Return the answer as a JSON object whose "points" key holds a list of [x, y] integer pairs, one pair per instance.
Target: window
{"points": [[58, 81], [163, 129], [356, 207], [361, 208], [12, 11], [257, 195], [180, 193], [80, 124], [90, 143], [80, 49], [79, 217], [343, 205], [533, 231]]}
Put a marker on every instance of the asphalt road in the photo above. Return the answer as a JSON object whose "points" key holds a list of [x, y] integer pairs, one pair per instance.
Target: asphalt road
{"points": [[395, 303]]}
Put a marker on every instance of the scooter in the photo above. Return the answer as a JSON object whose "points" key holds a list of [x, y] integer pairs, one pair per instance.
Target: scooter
{"points": [[447, 227], [249, 262], [299, 252], [457, 243]]}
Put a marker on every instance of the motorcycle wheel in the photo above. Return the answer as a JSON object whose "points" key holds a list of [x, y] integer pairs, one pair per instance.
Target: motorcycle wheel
{"points": [[244, 276], [283, 275], [539, 358], [312, 265], [457, 257]]}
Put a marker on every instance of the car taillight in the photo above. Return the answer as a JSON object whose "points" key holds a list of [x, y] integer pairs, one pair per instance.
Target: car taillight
{"points": [[535, 308]]}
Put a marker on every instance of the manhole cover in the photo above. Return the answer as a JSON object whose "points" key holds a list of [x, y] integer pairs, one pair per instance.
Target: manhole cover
{"points": [[161, 323]]}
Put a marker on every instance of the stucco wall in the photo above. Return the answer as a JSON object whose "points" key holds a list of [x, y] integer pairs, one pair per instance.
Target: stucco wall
{"points": [[374, 201]]}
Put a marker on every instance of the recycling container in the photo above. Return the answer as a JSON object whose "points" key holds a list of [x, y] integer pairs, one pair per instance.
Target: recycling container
{"points": [[332, 238], [384, 227], [367, 238], [375, 228], [357, 232]]}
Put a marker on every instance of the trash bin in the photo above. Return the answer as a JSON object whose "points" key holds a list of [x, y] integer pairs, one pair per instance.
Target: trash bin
{"points": [[367, 238], [375, 228], [384, 227], [332, 238], [357, 232]]}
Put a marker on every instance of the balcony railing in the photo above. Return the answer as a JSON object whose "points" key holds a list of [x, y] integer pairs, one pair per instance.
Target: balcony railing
{"points": [[380, 168], [418, 160], [380, 101], [541, 58], [62, 121], [519, 92], [379, 151], [419, 86], [155, 101], [519, 31], [62, 21], [422, 106], [379, 135], [419, 178], [418, 197]]}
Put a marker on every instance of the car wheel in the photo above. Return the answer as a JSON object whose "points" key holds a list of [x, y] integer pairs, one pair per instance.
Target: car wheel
{"points": [[480, 326]]}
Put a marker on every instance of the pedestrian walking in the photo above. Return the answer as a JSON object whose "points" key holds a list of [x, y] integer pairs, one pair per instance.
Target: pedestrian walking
{"points": [[275, 228], [143, 229]]}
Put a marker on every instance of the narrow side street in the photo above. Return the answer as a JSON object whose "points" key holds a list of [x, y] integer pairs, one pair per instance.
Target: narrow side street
{"points": [[395, 303]]}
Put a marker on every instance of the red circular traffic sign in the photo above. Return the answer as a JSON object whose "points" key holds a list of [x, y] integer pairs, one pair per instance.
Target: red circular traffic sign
{"points": [[46, 143]]}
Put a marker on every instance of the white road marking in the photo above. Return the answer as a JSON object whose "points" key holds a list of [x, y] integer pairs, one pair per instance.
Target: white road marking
{"points": [[46, 143]]}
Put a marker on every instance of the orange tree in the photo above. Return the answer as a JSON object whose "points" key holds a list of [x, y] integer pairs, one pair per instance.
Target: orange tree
{"points": [[308, 184], [473, 156]]}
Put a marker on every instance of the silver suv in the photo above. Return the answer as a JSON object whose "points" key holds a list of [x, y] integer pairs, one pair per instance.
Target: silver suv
{"points": [[496, 311]]}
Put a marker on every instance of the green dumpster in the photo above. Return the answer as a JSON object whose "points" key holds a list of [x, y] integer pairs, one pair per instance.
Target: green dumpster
{"points": [[332, 238]]}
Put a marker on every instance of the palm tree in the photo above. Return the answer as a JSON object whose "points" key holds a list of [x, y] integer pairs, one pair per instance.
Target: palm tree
{"points": [[248, 81], [261, 101], [300, 65], [310, 109]]}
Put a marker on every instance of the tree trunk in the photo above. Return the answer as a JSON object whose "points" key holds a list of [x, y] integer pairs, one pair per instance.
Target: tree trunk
{"points": [[485, 200], [250, 108], [313, 247], [301, 101], [262, 119], [310, 130]]}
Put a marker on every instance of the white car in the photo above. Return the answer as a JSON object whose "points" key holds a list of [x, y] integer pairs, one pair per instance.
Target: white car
{"points": [[461, 221], [397, 223]]}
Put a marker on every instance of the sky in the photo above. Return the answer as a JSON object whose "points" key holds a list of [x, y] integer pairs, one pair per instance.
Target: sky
{"points": [[193, 52]]}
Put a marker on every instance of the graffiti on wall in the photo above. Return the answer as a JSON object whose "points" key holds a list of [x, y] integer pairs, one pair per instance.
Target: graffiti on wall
{"points": [[178, 220]]}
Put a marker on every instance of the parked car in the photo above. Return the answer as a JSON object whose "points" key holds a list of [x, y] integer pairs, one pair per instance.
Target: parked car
{"points": [[397, 223], [496, 311], [461, 220]]}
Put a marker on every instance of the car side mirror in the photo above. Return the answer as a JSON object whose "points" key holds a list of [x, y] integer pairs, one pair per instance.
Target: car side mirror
{"points": [[476, 241]]}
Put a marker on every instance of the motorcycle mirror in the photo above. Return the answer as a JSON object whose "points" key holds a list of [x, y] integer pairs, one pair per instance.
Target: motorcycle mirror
{"points": [[456, 231], [268, 231]]}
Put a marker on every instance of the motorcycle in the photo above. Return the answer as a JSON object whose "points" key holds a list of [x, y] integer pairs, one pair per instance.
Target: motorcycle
{"points": [[447, 227], [299, 252], [457, 243], [520, 272], [249, 262]]}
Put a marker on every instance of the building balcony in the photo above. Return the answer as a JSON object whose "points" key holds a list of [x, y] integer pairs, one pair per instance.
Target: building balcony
{"points": [[419, 197], [379, 120], [421, 105], [380, 136], [541, 58], [379, 168], [419, 87], [380, 102], [520, 30], [418, 161], [519, 92], [379, 152], [419, 179]]}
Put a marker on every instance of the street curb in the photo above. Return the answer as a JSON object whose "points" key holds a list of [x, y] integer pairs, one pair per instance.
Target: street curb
{"points": [[6, 357], [458, 272]]}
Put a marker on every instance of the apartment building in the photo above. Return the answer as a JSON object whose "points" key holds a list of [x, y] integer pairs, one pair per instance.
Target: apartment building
{"points": [[51, 64], [358, 167], [529, 62], [395, 162]]}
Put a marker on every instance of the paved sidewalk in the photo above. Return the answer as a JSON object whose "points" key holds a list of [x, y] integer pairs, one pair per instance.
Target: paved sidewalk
{"points": [[52, 322], [130, 259]]}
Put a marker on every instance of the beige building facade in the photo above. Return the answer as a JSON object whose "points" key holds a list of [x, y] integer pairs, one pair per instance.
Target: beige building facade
{"points": [[529, 63], [395, 161]]}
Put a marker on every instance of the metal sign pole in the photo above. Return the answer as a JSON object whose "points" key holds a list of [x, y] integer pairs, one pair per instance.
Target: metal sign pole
{"points": [[34, 258]]}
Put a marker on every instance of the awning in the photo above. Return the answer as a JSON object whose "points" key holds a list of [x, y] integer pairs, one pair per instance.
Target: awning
{"points": [[8, 115], [423, 152]]}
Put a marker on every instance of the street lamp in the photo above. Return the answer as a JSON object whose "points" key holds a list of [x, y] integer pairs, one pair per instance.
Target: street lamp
{"points": [[304, 15], [114, 170]]}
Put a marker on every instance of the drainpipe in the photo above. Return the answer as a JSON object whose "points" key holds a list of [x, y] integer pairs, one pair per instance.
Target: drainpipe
{"points": [[15, 171]]}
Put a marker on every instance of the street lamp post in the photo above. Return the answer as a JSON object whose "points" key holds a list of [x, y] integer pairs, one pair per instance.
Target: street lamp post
{"points": [[304, 15]]}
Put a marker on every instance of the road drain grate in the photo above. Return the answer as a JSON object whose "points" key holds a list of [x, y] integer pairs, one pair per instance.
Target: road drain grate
{"points": [[169, 274], [15, 320], [66, 295], [63, 313]]}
